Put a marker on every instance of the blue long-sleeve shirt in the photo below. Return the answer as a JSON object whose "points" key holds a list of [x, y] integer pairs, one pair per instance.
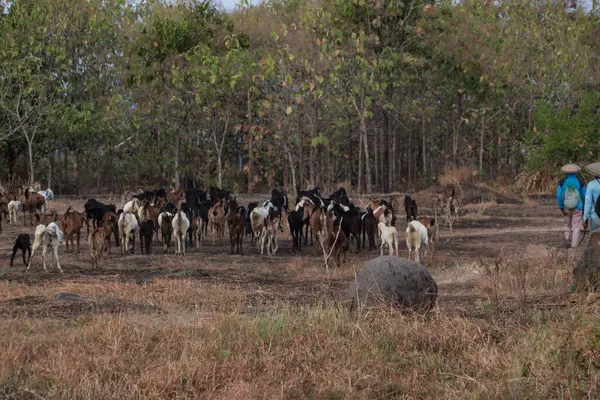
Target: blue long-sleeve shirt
{"points": [[571, 179], [591, 195]]}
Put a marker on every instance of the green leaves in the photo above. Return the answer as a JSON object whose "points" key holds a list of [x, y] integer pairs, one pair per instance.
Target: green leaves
{"points": [[320, 141]]}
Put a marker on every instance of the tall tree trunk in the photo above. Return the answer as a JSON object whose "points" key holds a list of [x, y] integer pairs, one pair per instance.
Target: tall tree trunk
{"points": [[65, 169], [376, 154], [481, 140], [394, 158], [311, 154], [360, 163], [98, 175], [76, 173], [410, 158], [363, 128], [219, 150], [301, 166], [458, 131], [176, 163], [423, 134], [382, 153], [50, 170], [389, 149], [219, 170], [250, 142], [30, 152]]}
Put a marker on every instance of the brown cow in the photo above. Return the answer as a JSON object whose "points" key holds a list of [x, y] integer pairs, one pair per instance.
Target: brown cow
{"points": [[96, 245], [216, 220], [3, 210], [47, 217], [109, 224], [313, 214], [175, 196], [72, 221], [30, 203], [236, 221]]}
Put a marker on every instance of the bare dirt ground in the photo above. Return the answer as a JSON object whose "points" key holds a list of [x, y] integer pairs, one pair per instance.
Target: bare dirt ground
{"points": [[297, 279]]}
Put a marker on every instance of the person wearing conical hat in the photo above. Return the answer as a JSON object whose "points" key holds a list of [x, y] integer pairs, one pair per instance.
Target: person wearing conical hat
{"points": [[570, 195], [590, 215]]}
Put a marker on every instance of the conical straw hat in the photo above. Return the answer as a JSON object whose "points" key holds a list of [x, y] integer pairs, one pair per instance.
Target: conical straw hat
{"points": [[594, 168], [571, 168]]}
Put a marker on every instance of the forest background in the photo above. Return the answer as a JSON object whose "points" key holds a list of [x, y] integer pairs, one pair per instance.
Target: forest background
{"points": [[374, 95]]}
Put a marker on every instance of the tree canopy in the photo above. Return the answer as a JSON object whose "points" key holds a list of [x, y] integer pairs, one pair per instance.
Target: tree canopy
{"points": [[383, 95]]}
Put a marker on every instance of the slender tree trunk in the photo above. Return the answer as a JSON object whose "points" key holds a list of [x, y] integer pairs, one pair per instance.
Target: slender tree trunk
{"points": [[389, 164], [481, 140], [423, 134], [458, 131], [360, 163], [50, 170], [76, 173], [394, 159], [311, 154], [363, 129], [301, 167], [382, 174], [376, 153], [250, 142], [98, 175], [219, 149], [65, 169], [410, 158], [219, 170], [176, 164], [30, 151]]}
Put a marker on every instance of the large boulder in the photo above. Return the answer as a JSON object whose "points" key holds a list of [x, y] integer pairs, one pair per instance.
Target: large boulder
{"points": [[393, 280], [586, 270]]}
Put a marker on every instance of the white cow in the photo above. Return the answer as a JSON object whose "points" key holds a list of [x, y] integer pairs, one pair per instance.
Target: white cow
{"points": [[181, 224], [47, 237]]}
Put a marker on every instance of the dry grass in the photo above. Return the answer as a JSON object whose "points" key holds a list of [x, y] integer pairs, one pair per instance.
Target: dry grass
{"points": [[458, 175], [198, 341], [540, 182], [525, 275]]}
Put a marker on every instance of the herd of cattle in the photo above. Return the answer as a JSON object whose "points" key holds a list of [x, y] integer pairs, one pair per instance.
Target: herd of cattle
{"points": [[188, 216]]}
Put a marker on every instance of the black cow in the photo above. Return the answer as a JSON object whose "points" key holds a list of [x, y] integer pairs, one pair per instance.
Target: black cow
{"points": [[410, 206], [151, 195], [279, 199], [369, 228], [194, 197], [296, 224], [351, 221], [170, 208], [146, 232], [313, 194], [94, 211], [203, 210], [341, 197], [24, 244], [217, 194]]}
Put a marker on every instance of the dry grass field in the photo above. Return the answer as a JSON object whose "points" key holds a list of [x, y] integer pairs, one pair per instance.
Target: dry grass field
{"points": [[216, 326]]}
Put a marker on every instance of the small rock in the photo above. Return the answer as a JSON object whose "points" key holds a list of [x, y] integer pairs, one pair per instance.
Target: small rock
{"points": [[71, 297], [393, 280]]}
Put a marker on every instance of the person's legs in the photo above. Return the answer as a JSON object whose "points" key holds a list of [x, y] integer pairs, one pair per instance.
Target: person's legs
{"points": [[594, 225], [567, 227], [576, 226]]}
